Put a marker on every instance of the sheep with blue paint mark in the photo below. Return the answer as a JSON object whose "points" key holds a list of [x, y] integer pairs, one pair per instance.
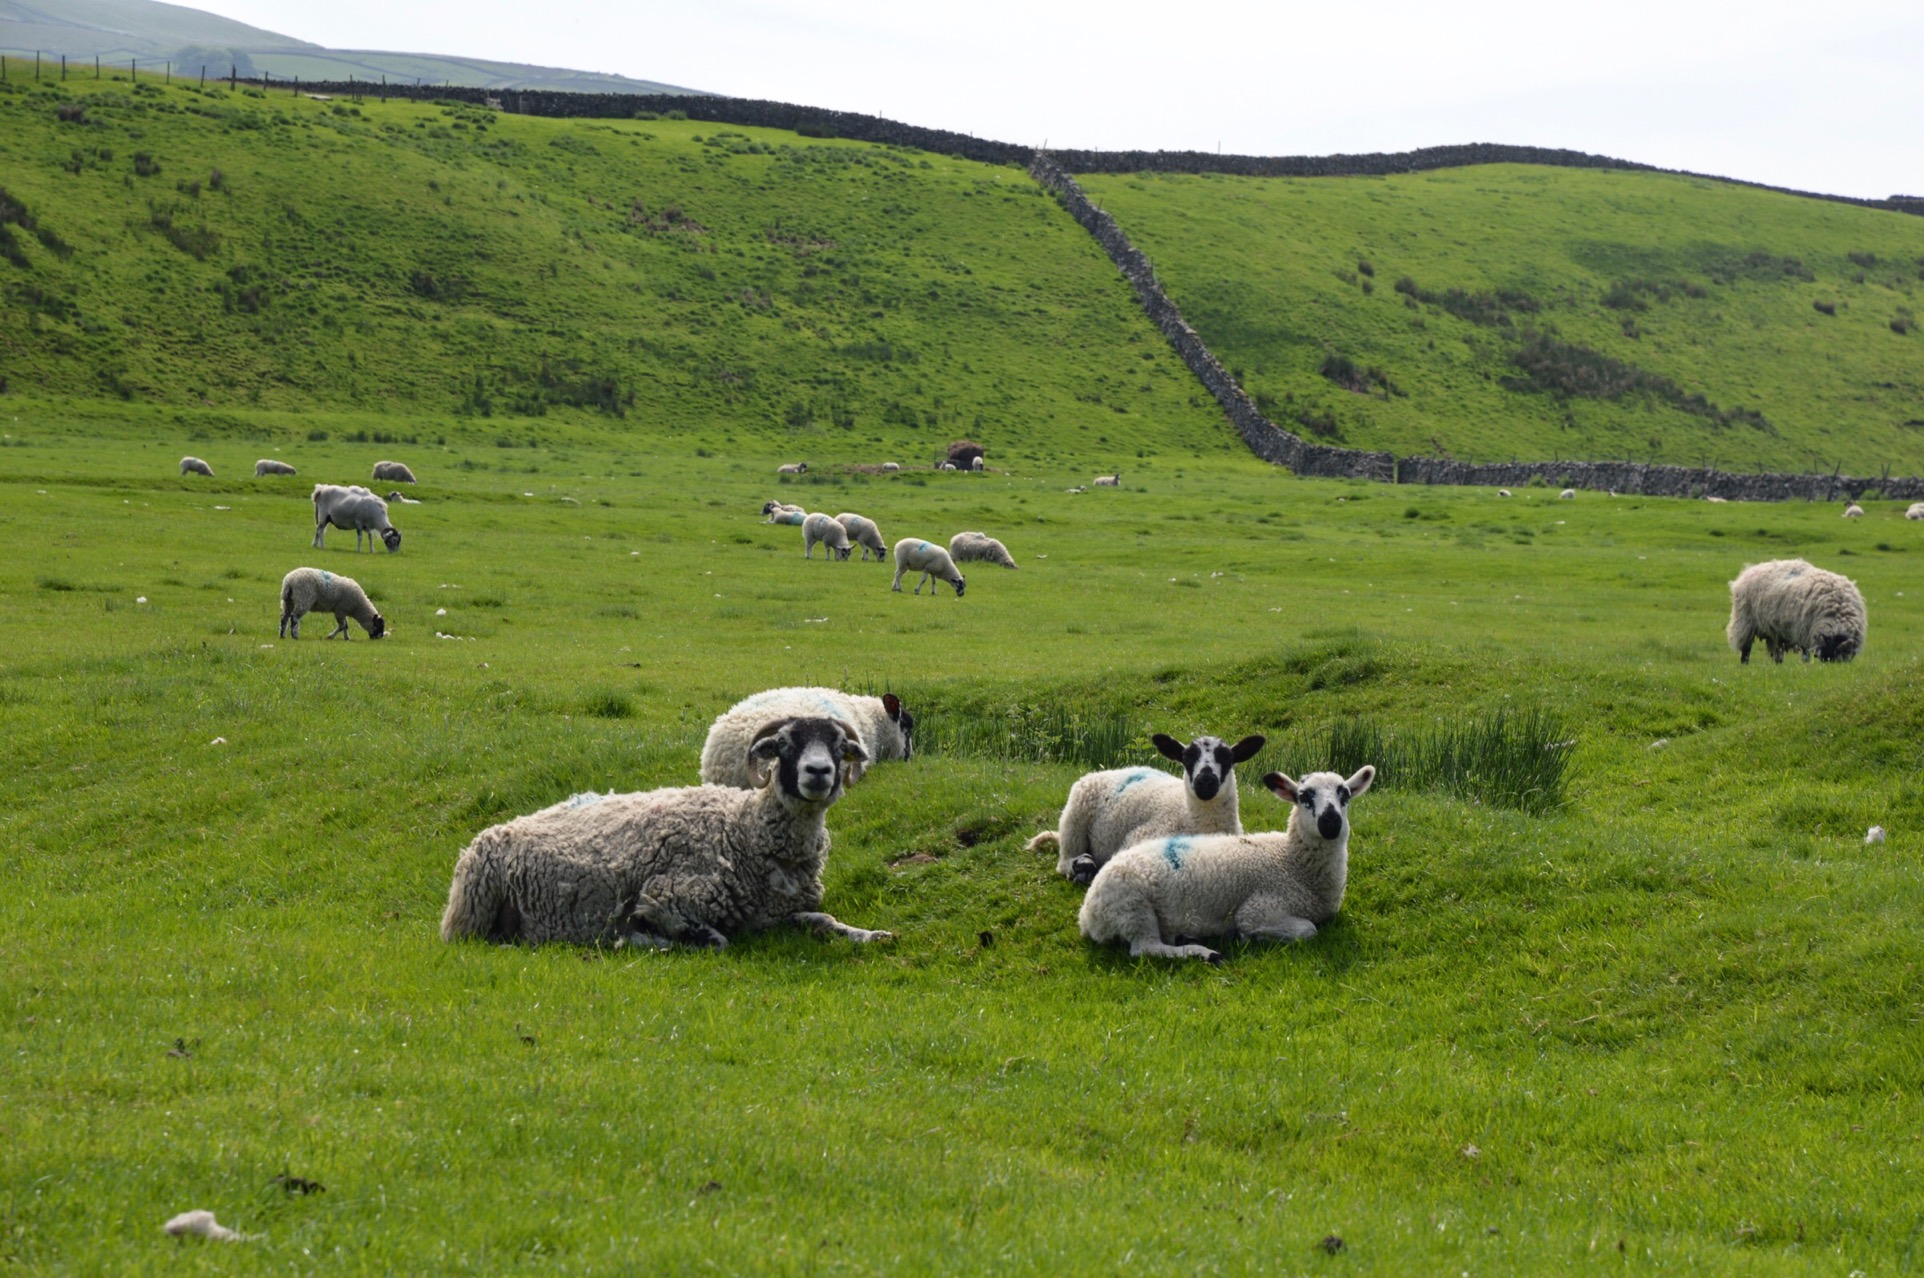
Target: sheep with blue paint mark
{"points": [[308, 590], [912, 554], [829, 533], [780, 512], [882, 724], [865, 533], [1108, 811], [1165, 896]]}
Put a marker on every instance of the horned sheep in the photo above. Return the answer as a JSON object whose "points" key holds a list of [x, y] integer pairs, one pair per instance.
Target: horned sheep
{"points": [[1108, 811], [688, 866], [195, 466], [308, 590], [912, 554], [355, 508], [268, 466], [882, 724], [966, 547], [864, 532], [394, 472], [1790, 604], [1163, 896], [820, 528]]}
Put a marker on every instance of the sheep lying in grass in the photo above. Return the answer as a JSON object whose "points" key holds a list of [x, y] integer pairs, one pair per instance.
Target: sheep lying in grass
{"points": [[402, 498], [780, 512], [353, 507], [1568, 494], [1160, 897], [863, 532], [1915, 511], [393, 472], [195, 466], [268, 466], [885, 729], [820, 528], [1853, 511], [1108, 481], [965, 547], [1791, 605], [915, 555], [1108, 811], [792, 468], [688, 866], [308, 590]]}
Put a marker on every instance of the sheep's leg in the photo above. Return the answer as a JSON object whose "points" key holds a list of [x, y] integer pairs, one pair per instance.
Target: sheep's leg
{"points": [[662, 917], [287, 617], [1158, 949], [896, 585], [319, 529], [340, 631], [828, 924], [1132, 918], [1267, 918]]}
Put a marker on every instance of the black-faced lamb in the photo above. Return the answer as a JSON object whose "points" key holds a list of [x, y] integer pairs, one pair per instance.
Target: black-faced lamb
{"points": [[883, 726], [1108, 811], [966, 547], [393, 472], [915, 555], [863, 532], [1791, 605], [308, 590], [355, 508], [689, 866], [401, 498], [828, 532], [1162, 897], [268, 466], [195, 466], [780, 512]]}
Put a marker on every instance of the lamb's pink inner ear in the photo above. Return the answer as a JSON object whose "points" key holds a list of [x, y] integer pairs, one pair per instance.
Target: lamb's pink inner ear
{"points": [[1280, 786], [892, 704]]}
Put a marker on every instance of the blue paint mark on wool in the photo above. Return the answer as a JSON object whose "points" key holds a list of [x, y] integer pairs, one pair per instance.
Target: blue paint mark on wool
{"points": [[585, 799], [326, 575], [1173, 850], [1133, 776]]}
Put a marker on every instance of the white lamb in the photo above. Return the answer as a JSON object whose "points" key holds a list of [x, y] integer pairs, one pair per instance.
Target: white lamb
{"points": [[394, 472], [1916, 510], [780, 512], [1791, 605], [1160, 897], [308, 590], [863, 532], [1108, 811], [353, 507], [829, 532], [977, 464], [915, 555], [792, 468], [883, 727], [401, 498], [1108, 481], [688, 866], [1568, 494], [1853, 511], [268, 466], [966, 547], [195, 466]]}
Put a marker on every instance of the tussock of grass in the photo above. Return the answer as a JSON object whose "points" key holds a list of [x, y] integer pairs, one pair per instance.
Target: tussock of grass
{"points": [[1507, 758]]}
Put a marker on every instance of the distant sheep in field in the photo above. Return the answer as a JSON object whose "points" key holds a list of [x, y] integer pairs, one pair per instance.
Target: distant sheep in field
{"points": [[863, 532], [1503, 492], [966, 547], [978, 464], [780, 512], [820, 528], [1568, 494], [393, 472], [915, 555], [891, 466], [1916, 510], [1108, 481], [195, 466], [792, 468], [353, 508], [398, 496], [1791, 605], [1853, 511], [1163, 896], [268, 466], [947, 465], [688, 866], [882, 724], [1718, 500], [308, 590]]}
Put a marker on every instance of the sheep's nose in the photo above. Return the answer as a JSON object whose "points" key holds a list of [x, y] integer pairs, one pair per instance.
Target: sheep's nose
{"points": [[1206, 785], [820, 771], [1330, 824]]}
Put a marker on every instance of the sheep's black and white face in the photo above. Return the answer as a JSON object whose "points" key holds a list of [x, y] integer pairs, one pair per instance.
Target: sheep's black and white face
{"points": [[391, 538], [959, 582], [1207, 761], [1836, 647], [809, 756], [377, 627], [904, 721], [1322, 798]]}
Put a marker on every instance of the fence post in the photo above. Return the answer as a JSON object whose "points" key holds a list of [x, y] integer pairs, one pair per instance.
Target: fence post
{"points": [[231, 72], [96, 66], [170, 72], [133, 69]]}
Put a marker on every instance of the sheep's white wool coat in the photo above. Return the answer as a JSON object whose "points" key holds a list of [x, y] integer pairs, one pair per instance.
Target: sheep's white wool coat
{"points": [[1198, 884], [308, 590], [268, 466], [351, 509], [915, 555], [863, 532], [967, 546], [1108, 811], [724, 756], [393, 470], [820, 528], [1794, 606]]}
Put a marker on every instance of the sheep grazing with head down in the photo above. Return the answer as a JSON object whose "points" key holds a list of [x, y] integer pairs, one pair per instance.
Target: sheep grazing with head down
{"points": [[883, 726], [1108, 811], [1853, 511], [308, 590], [792, 468], [829, 532], [195, 466], [1568, 494], [268, 466], [780, 512], [1108, 481], [864, 532], [1161, 897], [967, 547], [912, 554], [355, 508], [393, 472], [690, 866], [1791, 605]]}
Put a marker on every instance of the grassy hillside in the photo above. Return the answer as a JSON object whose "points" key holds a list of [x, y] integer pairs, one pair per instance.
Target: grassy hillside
{"points": [[660, 277], [1669, 1021], [1506, 312]]}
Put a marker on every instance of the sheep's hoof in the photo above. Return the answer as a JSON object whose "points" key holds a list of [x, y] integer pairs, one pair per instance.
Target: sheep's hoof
{"points": [[1082, 870]]}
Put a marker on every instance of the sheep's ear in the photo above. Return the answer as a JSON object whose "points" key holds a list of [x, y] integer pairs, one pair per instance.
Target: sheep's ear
{"points": [[1246, 749], [1280, 786], [1361, 781], [852, 751], [767, 744], [892, 704], [1168, 745]]}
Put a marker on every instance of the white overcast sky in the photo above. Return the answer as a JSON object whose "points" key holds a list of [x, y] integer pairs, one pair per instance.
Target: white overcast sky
{"points": [[1816, 96]]}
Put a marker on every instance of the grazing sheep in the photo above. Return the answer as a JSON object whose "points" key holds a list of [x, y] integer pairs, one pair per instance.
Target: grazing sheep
{"points": [[1109, 481], [885, 729], [1503, 492], [792, 468], [1568, 494], [1158, 895], [353, 507], [1916, 510], [195, 466], [1791, 605], [830, 533], [268, 466], [1108, 811], [965, 547], [398, 496], [780, 512], [863, 532], [308, 590], [915, 555], [1853, 511], [687, 866], [393, 471], [978, 464], [1719, 500], [891, 467]]}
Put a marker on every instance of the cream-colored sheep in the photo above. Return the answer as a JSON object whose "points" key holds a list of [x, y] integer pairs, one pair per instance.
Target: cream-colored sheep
{"points": [[1791, 605], [308, 590]]}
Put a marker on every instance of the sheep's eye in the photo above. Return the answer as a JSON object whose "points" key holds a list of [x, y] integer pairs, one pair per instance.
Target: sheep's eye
{"points": [[1308, 798], [1342, 794]]}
